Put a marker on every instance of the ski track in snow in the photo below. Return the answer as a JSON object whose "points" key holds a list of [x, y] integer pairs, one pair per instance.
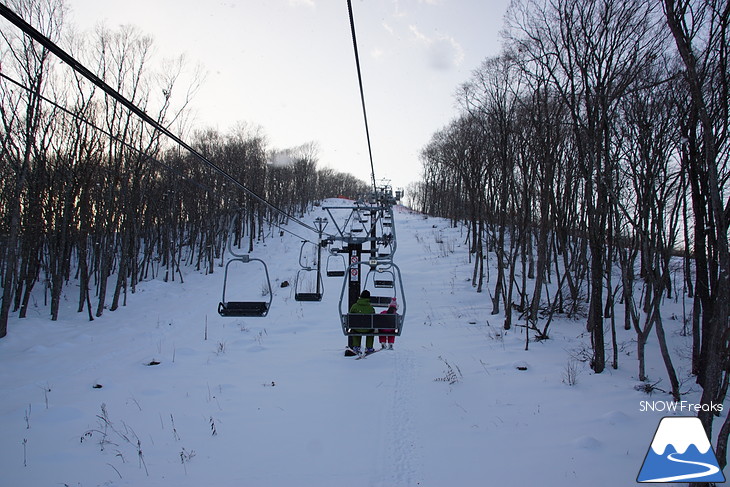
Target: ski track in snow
{"points": [[401, 435], [291, 411]]}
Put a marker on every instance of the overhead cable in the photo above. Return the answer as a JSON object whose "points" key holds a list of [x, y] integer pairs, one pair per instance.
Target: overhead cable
{"points": [[34, 34], [362, 92], [129, 146]]}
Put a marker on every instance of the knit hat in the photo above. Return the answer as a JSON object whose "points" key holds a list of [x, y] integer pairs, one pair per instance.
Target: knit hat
{"points": [[365, 294], [393, 304]]}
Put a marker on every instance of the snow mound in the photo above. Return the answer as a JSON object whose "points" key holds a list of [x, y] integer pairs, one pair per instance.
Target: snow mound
{"points": [[587, 443], [616, 418]]}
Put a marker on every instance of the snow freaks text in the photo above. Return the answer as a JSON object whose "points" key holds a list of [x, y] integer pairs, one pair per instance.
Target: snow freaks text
{"points": [[678, 407]]}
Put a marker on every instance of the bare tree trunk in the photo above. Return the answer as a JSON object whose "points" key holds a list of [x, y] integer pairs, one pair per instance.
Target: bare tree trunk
{"points": [[661, 337], [712, 368]]}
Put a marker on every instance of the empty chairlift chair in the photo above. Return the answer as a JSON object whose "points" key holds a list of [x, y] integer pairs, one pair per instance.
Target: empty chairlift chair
{"points": [[250, 308], [308, 285], [303, 288], [386, 280], [335, 265]]}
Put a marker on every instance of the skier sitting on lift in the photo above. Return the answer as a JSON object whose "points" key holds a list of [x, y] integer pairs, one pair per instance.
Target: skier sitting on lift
{"points": [[361, 306], [387, 341]]}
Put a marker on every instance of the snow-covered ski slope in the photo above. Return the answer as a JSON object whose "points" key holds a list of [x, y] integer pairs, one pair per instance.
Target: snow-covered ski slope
{"points": [[273, 402]]}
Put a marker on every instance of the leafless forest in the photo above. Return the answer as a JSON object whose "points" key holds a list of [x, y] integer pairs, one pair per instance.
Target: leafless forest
{"points": [[91, 194], [592, 155], [589, 158]]}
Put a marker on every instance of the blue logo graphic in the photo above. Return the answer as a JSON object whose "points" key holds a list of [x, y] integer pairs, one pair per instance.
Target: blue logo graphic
{"points": [[680, 452]]}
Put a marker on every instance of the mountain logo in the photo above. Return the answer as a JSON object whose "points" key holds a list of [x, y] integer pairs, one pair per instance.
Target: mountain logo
{"points": [[680, 452]]}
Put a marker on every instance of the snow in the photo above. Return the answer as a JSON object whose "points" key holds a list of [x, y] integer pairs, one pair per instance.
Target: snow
{"points": [[273, 402]]}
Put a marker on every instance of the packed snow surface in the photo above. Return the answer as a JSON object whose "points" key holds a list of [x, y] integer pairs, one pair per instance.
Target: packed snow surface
{"points": [[165, 392]]}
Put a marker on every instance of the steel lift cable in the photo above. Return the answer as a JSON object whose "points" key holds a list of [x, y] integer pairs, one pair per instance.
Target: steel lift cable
{"points": [[107, 133], [362, 92], [37, 36], [138, 151]]}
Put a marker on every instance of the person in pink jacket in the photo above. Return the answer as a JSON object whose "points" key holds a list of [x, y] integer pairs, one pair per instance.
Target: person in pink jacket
{"points": [[388, 341]]}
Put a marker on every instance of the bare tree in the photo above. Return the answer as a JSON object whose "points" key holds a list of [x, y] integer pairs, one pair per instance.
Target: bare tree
{"points": [[31, 63], [700, 32], [650, 203], [593, 51]]}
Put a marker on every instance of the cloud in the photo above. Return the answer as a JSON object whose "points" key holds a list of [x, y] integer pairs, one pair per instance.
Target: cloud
{"points": [[306, 3], [417, 34], [443, 52], [376, 53]]}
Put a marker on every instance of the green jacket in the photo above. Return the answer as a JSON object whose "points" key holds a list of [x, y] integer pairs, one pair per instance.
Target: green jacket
{"points": [[363, 306]]}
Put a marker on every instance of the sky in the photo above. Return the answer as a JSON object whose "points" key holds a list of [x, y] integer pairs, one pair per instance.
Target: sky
{"points": [[288, 67]]}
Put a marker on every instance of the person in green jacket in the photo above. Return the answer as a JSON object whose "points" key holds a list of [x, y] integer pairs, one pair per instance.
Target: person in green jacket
{"points": [[362, 306]]}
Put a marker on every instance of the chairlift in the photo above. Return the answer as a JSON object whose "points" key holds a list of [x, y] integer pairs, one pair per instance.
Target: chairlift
{"points": [[380, 301], [335, 265], [381, 273], [383, 283], [249, 308], [303, 289], [379, 324], [304, 257], [245, 308], [382, 278], [310, 295], [354, 324]]}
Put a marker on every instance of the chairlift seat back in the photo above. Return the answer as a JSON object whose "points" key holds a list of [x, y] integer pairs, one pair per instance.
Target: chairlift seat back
{"points": [[355, 324], [308, 296], [380, 301]]}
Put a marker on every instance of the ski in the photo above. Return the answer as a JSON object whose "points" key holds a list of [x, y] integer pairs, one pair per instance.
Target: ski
{"points": [[364, 355]]}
